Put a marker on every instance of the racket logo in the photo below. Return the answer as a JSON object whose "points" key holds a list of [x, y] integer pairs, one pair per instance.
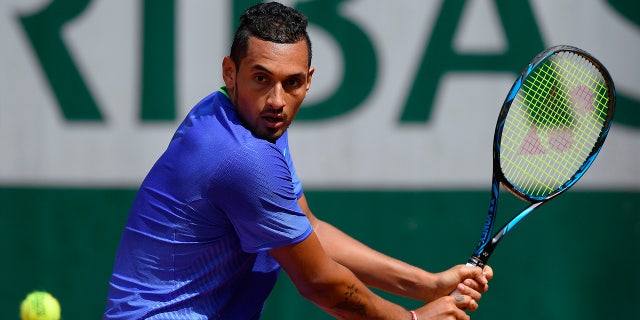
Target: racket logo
{"points": [[582, 98], [558, 140], [531, 144]]}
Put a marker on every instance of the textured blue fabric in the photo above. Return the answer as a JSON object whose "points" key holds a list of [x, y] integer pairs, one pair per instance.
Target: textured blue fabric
{"points": [[194, 246]]}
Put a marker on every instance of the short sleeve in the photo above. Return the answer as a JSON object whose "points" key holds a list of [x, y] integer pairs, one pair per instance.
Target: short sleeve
{"points": [[255, 189]]}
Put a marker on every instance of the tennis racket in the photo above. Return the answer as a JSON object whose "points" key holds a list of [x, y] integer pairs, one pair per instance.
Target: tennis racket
{"points": [[550, 129]]}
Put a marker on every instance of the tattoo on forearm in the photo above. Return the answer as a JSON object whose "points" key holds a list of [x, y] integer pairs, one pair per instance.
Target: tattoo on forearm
{"points": [[352, 301]]}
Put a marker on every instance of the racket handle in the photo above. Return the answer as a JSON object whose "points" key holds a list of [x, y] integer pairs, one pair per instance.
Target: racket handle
{"points": [[470, 263]]}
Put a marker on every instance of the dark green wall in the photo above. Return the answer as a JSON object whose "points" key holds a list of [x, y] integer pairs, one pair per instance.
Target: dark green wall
{"points": [[576, 258]]}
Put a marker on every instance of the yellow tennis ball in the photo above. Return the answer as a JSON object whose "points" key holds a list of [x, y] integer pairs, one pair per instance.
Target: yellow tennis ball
{"points": [[40, 305]]}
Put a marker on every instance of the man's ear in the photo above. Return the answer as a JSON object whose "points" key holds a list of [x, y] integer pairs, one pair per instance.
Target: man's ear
{"points": [[309, 77], [229, 73]]}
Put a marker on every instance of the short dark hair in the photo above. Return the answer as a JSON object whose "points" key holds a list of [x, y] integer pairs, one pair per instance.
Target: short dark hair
{"points": [[272, 22]]}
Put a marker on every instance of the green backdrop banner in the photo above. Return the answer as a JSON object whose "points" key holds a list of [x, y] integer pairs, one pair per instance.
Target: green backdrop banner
{"points": [[576, 258]]}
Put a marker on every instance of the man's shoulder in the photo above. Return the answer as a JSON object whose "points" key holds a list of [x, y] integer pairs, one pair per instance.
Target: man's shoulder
{"points": [[215, 101], [212, 118]]}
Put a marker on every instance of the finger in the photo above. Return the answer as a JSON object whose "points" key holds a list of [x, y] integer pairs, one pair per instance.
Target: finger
{"points": [[465, 302], [477, 273], [474, 281], [473, 284], [480, 280], [477, 286], [488, 272], [469, 288]]}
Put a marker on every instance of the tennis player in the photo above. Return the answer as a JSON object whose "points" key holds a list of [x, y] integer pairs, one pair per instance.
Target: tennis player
{"points": [[222, 210]]}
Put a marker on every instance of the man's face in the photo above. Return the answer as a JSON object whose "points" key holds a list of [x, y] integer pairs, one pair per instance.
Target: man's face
{"points": [[269, 85]]}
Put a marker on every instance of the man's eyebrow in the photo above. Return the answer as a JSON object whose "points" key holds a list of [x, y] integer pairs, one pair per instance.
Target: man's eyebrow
{"points": [[264, 69]]}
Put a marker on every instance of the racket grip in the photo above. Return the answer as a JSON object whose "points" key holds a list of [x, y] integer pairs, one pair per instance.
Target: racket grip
{"points": [[470, 263]]}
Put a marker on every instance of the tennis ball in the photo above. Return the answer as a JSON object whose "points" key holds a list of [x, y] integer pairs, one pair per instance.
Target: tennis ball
{"points": [[40, 305]]}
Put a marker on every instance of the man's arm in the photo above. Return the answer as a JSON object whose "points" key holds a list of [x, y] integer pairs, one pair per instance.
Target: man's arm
{"points": [[383, 272], [338, 291], [330, 285]]}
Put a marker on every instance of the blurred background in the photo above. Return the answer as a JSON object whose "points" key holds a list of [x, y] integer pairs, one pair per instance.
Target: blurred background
{"points": [[393, 144]]}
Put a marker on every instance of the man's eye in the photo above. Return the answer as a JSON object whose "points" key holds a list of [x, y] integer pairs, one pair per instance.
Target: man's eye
{"points": [[260, 78], [293, 83]]}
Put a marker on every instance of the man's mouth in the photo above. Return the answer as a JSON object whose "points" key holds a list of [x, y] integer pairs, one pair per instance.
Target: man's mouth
{"points": [[272, 120]]}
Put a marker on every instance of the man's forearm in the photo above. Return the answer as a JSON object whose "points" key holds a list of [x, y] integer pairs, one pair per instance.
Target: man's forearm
{"points": [[374, 268], [331, 285]]}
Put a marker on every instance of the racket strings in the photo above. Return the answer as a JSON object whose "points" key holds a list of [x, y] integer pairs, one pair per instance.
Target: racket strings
{"points": [[556, 114], [553, 124], [581, 102], [546, 80], [560, 141]]}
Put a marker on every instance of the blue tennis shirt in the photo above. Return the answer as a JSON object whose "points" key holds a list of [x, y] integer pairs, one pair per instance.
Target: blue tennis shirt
{"points": [[196, 240]]}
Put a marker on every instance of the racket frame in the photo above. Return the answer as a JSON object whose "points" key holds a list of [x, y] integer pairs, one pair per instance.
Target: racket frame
{"points": [[487, 242]]}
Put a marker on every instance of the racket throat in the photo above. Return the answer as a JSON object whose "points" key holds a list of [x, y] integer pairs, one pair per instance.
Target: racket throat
{"points": [[482, 258], [482, 255]]}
